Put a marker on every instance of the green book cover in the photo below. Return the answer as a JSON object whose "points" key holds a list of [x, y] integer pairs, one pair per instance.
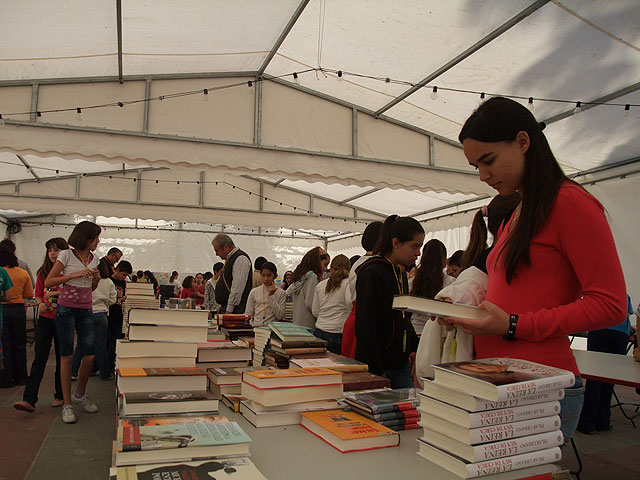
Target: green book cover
{"points": [[286, 330]]}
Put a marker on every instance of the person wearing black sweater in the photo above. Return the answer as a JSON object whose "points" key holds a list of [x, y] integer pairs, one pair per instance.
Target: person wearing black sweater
{"points": [[385, 338]]}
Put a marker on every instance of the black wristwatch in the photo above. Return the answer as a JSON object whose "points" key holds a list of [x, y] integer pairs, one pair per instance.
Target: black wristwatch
{"points": [[510, 336]]}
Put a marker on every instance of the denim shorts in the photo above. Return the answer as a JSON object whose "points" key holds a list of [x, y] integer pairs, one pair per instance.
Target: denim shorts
{"points": [[571, 406], [68, 318]]}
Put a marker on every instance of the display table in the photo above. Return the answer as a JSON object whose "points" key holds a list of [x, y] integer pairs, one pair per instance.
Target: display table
{"points": [[293, 453], [608, 367]]}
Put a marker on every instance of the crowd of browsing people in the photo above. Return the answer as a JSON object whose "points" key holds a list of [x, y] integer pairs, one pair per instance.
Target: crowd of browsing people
{"points": [[536, 283]]}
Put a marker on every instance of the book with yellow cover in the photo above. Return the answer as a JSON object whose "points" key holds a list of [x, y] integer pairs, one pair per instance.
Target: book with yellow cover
{"points": [[285, 378], [349, 432]]}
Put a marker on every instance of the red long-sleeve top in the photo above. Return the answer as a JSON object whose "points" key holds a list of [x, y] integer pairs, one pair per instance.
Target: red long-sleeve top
{"points": [[574, 283]]}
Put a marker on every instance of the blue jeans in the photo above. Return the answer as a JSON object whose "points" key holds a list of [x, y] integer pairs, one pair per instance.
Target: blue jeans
{"points": [[400, 377], [570, 408], [101, 323], [80, 319], [334, 339]]}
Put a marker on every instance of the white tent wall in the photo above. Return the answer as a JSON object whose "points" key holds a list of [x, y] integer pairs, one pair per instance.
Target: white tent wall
{"points": [[164, 251]]}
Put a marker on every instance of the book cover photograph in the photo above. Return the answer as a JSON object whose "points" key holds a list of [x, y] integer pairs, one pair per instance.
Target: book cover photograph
{"points": [[232, 469], [500, 379], [164, 397], [176, 420]]}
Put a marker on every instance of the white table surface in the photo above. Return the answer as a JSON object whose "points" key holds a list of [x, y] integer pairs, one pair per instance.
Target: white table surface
{"points": [[293, 453], [608, 367]]}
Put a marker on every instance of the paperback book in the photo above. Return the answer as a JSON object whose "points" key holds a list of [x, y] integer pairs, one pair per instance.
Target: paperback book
{"points": [[429, 306], [186, 318], [291, 332], [143, 421], [150, 403], [125, 348], [161, 379], [328, 360], [223, 351], [383, 400], [348, 431], [232, 468]]}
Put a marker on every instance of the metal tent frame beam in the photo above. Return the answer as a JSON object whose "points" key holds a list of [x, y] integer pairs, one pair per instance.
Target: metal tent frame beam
{"points": [[292, 21], [467, 53]]}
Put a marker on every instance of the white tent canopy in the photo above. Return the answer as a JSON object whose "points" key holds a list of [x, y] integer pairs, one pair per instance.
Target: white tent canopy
{"points": [[326, 152]]}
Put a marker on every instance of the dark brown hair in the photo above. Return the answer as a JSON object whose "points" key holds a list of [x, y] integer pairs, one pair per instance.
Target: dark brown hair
{"points": [[500, 119], [428, 279], [499, 210], [310, 262], [402, 228], [341, 266], [83, 233], [47, 264]]}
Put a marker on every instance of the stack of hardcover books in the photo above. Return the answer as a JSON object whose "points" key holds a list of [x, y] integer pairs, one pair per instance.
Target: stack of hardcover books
{"points": [[138, 296], [234, 325], [394, 409], [492, 415], [277, 397], [223, 353], [262, 337]]}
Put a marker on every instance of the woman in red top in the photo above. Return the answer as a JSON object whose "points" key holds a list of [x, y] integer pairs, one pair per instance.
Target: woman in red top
{"points": [[554, 269], [45, 331], [198, 289]]}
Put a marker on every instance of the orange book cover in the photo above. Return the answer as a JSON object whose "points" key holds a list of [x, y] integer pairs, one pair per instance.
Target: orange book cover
{"points": [[300, 372], [347, 425], [149, 372]]}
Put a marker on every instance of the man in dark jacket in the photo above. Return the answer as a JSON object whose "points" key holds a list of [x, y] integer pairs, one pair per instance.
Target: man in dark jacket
{"points": [[234, 284]]}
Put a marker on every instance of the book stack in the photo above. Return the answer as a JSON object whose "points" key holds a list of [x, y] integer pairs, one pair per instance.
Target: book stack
{"points": [[156, 369], [262, 337], [394, 409], [355, 381], [276, 360], [278, 397], [225, 381], [327, 360], [222, 353], [138, 296], [234, 325], [144, 441], [492, 415], [349, 432]]}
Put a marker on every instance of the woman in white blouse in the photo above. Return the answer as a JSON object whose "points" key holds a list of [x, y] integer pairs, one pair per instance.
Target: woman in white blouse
{"points": [[266, 302], [332, 304]]}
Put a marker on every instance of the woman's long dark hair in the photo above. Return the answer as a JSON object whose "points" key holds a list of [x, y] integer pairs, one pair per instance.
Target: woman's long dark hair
{"points": [[500, 119], [310, 262], [402, 228], [428, 279], [47, 264], [499, 210]]}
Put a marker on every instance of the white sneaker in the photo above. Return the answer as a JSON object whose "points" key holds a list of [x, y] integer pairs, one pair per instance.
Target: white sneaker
{"points": [[69, 414], [87, 404]]}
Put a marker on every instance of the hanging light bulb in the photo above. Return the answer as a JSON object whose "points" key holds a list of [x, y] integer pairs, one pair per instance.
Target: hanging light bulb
{"points": [[339, 75], [57, 173], [79, 114], [206, 94], [627, 109], [295, 78], [434, 93], [578, 108], [530, 104], [1, 120]]}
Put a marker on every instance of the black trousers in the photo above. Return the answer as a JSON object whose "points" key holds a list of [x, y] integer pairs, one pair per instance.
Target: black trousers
{"points": [[596, 411], [14, 345], [45, 333], [114, 333]]}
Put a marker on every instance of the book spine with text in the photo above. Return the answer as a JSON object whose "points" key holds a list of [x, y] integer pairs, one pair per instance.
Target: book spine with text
{"points": [[539, 397], [515, 462], [533, 387], [516, 446], [493, 433], [515, 414]]}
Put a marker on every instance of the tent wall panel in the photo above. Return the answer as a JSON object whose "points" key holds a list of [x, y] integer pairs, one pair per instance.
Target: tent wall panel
{"points": [[294, 119], [130, 117], [63, 188], [446, 155], [121, 189], [15, 100], [222, 114], [380, 139], [170, 191]]}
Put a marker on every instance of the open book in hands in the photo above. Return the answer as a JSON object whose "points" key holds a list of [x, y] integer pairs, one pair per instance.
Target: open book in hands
{"points": [[438, 308]]}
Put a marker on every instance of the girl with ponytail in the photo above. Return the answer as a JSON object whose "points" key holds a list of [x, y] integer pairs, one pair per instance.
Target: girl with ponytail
{"points": [[332, 304], [385, 338]]}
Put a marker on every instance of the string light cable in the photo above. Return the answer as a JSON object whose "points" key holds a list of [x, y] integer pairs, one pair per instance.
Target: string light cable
{"points": [[340, 75]]}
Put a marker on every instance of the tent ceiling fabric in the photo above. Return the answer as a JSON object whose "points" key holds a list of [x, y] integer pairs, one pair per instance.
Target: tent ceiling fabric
{"points": [[309, 133]]}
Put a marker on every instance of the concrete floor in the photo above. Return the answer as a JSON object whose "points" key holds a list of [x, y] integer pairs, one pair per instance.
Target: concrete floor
{"points": [[39, 446]]}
